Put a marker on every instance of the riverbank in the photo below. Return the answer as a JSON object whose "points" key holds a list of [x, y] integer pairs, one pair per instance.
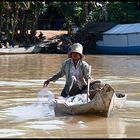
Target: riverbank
{"points": [[50, 34]]}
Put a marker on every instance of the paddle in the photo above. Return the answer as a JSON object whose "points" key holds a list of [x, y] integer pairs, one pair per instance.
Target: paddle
{"points": [[88, 84]]}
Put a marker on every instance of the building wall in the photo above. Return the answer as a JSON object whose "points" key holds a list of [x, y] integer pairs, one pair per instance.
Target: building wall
{"points": [[134, 39], [115, 40], [124, 40]]}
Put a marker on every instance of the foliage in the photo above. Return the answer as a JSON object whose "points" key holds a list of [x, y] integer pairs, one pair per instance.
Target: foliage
{"points": [[22, 16], [123, 12], [19, 17]]}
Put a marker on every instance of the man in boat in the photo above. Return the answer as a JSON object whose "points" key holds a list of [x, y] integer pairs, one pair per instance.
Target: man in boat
{"points": [[76, 71]]}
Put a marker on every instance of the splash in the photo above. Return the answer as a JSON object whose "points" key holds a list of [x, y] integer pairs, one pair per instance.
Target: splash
{"points": [[41, 96], [43, 107]]}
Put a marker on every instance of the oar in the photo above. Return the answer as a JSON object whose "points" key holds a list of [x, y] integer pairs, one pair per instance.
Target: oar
{"points": [[88, 84]]}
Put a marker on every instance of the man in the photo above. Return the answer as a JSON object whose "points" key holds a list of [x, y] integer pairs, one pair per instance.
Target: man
{"points": [[76, 71]]}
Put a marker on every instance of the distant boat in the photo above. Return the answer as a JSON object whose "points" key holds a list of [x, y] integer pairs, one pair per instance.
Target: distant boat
{"points": [[21, 50]]}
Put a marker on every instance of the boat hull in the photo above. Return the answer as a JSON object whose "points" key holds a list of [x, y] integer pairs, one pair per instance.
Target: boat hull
{"points": [[20, 50], [101, 105]]}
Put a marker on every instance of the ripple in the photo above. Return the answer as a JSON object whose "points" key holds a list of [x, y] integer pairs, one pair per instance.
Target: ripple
{"points": [[44, 127], [47, 122], [130, 103], [10, 132], [21, 82]]}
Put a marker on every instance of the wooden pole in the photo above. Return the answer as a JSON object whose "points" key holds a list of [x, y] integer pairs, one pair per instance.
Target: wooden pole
{"points": [[88, 84]]}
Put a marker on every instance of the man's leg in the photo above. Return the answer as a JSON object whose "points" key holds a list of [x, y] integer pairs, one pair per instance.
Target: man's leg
{"points": [[71, 88], [74, 90]]}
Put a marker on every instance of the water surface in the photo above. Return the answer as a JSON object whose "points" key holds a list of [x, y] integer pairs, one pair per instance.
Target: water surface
{"points": [[23, 116]]}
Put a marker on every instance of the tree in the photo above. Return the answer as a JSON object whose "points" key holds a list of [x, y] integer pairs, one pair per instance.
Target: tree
{"points": [[17, 18]]}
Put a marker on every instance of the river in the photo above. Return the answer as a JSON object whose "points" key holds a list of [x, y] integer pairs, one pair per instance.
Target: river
{"points": [[22, 77]]}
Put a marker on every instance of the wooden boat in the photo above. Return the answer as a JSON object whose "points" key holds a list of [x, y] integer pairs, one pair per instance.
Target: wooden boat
{"points": [[21, 50], [103, 104]]}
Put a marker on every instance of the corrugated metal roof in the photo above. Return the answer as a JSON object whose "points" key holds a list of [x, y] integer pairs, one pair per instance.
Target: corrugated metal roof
{"points": [[124, 29], [97, 27]]}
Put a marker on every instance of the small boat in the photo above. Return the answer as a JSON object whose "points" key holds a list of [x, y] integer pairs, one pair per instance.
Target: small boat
{"points": [[21, 50], [104, 103]]}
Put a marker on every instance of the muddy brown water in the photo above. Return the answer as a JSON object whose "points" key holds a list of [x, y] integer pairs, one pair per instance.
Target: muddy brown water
{"points": [[22, 77]]}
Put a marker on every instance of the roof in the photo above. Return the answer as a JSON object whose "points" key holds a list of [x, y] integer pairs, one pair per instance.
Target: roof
{"points": [[124, 29], [97, 27]]}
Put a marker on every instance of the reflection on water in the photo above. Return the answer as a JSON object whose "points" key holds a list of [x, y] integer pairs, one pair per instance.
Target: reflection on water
{"points": [[116, 128], [24, 113]]}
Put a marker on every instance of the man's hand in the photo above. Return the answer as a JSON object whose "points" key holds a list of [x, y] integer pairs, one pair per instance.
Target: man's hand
{"points": [[46, 83]]}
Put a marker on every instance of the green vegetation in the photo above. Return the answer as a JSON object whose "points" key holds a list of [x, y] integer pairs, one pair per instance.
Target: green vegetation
{"points": [[19, 17]]}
